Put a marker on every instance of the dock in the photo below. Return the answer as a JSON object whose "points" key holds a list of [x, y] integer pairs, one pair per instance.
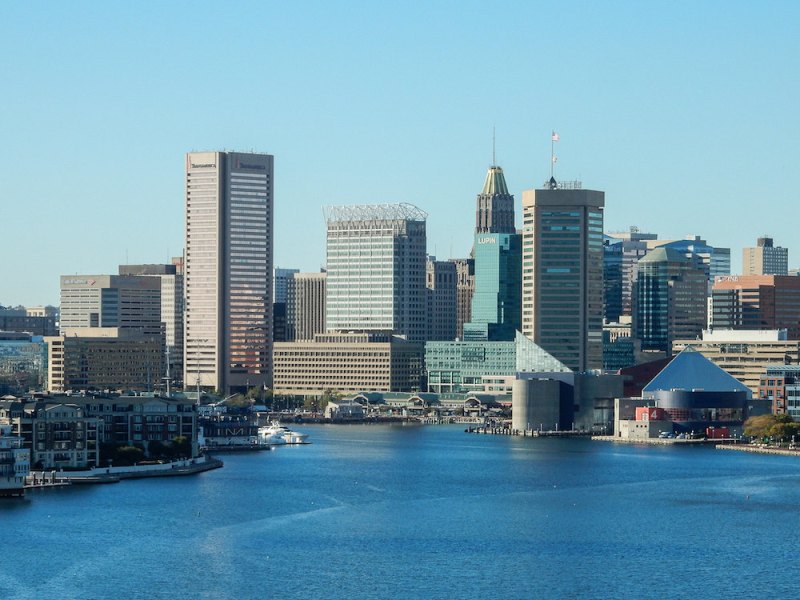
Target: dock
{"points": [[754, 449], [503, 430]]}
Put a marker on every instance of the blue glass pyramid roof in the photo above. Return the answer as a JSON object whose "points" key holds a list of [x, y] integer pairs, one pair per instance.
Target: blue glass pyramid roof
{"points": [[690, 370]]}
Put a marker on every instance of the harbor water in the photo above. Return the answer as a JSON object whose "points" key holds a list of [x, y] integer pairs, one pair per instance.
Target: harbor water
{"points": [[379, 511]]}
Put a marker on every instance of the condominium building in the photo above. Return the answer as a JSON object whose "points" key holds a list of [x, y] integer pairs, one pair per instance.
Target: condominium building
{"points": [[171, 276], [765, 259], [440, 283], [229, 254], [376, 269], [562, 272], [757, 302], [305, 305], [669, 299], [347, 363]]}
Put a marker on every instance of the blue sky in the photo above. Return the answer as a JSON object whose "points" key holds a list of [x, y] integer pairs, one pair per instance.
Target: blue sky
{"points": [[684, 113]]}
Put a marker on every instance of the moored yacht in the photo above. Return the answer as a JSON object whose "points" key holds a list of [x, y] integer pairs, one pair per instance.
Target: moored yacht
{"points": [[277, 434]]}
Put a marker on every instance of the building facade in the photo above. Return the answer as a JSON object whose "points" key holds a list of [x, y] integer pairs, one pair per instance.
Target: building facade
{"points": [[757, 302], [229, 260], [467, 366], [465, 289], [670, 300], [440, 283], [562, 272], [347, 363], [765, 259], [23, 363], [104, 358], [172, 308], [123, 301], [305, 305], [376, 269], [743, 354], [622, 252], [495, 206]]}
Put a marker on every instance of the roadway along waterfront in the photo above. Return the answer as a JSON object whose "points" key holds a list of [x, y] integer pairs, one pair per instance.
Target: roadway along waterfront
{"points": [[388, 511]]}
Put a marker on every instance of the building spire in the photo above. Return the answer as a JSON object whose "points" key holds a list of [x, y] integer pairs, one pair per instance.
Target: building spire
{"points": [[494, 160]]}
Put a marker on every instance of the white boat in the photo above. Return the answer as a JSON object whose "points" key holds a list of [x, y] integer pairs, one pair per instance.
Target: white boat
{"points": [[277, 434]]}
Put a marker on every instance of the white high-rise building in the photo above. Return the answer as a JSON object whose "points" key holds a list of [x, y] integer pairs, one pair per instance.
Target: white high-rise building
{"points": [[229, 249], [376, 269]]}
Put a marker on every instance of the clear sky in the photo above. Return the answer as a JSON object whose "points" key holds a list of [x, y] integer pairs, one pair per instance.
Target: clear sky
{"points": [[684, 113]]}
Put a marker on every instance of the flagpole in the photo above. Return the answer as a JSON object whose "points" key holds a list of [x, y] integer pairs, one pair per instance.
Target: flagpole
{"points": [[552, 154]]}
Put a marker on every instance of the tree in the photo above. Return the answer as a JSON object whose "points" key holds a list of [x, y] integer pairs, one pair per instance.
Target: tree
{"points": [[777, 427]]}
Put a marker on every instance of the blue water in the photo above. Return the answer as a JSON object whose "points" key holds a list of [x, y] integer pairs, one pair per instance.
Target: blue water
{"points": [[419, 512]]}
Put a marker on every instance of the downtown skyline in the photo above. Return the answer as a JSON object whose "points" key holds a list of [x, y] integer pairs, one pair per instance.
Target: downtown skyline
{"points": [[683, 115]]}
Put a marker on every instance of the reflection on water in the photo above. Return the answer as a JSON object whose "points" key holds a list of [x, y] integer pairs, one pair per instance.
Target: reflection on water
{"points": [[426, 512]]}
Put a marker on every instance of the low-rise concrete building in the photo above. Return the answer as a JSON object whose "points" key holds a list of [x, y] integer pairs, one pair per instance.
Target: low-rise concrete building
{"points": [[347, 363], [745, 354], [563, 401]]}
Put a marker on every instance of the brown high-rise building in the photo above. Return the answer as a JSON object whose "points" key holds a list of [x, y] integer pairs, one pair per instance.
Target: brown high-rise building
{"points": [[229, 208], [465, 288], [757, 302]]}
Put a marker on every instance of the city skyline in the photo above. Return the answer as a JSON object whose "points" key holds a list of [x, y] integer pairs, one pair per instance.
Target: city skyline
{"points": [[682, 114]]}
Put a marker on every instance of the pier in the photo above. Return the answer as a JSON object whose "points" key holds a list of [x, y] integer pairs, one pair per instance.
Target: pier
{"points": [[505, 430]]}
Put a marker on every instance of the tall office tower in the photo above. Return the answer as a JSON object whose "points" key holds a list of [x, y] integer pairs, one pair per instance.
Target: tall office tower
{"points": [[757, 302], [376, 269], [171, 277], [281, 277], [495, 211], [280, 311], [497, 300], [622, 252], [229, 240], [122, 301], [562, 272], [465, 288], [669, 299], [765, 259], [716, 261], [440, 281], [305, 306]]}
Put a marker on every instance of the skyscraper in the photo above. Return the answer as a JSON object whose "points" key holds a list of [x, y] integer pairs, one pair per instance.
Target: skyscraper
{"points": [[465, 288], [562, 272], [765, 259], [229, 249], [495, 210], [305, 305], [376, 269], [440, 281], [171, 277], [669, 299], [496, 300]]}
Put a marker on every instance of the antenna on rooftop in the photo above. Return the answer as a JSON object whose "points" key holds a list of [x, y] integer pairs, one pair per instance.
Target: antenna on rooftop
{"points": [[494, 160]]}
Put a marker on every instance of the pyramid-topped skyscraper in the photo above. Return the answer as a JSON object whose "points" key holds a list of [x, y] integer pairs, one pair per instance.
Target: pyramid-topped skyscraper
{"points": [[495, 210]]}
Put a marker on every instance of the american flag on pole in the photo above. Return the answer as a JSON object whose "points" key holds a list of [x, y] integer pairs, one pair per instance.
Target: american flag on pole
{"points": [[555, 137]]}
